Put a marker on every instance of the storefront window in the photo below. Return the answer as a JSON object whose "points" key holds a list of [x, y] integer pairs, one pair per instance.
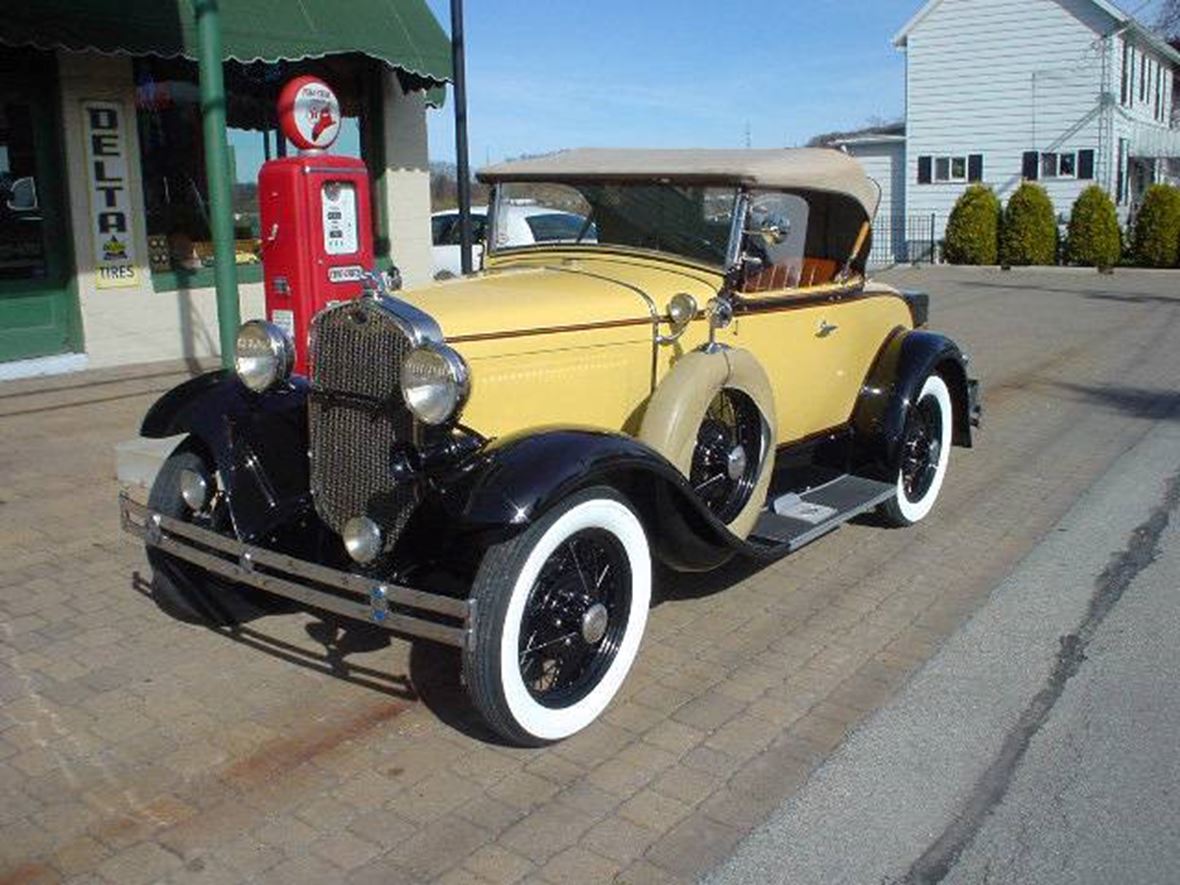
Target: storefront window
{"points": [[22, 241], [176, 193]]}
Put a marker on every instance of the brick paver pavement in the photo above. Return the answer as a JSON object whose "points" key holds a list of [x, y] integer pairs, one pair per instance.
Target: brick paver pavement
{"points": [[294, 749]]}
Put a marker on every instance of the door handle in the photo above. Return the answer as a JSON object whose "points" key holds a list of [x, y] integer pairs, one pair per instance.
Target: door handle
{"points": [[826, 329]]}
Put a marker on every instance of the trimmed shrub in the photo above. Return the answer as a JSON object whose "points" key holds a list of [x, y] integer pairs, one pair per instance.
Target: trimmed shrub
{"points": [[1029, 231], [973, 230], [1156, 239], [1094, 236]]}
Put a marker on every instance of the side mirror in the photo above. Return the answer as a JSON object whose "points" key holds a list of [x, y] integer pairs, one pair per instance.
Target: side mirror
{"points": [[772, 233]]}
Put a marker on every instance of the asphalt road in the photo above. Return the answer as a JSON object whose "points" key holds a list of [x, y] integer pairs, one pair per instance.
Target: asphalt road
{"points": [[1040, 745]]}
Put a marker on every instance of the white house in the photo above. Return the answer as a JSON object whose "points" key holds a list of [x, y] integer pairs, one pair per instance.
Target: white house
{"points": [[1064, 92]]}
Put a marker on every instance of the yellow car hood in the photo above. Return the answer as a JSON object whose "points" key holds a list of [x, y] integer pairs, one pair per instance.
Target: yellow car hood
{"points": [[550, 293]]}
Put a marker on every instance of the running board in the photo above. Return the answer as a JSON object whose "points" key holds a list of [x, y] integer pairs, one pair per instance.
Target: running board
{"points": [[792, 521]]}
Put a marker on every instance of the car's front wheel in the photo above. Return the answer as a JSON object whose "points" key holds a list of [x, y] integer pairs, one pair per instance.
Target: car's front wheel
{"points": [[925, 453], [559, 614], [185, 489]]}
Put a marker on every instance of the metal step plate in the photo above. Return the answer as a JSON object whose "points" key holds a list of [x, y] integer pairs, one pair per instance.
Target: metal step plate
{"points": [[794, 520]]}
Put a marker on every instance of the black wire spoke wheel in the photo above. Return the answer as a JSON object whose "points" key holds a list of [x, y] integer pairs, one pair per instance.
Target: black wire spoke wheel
{"points": [[181, 588], [921, 448], [575, 618], [728, 452]]}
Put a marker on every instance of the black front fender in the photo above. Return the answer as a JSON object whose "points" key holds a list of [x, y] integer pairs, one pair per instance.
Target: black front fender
{"points": [[893, 383], [258, 442], [504, 487]]}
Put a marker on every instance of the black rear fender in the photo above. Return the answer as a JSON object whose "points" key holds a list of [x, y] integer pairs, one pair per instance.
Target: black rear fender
{"points": [[893, 383], [258, 443]]}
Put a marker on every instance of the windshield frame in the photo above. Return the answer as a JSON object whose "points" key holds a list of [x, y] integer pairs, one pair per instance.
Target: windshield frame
{"points": [[739, 210]]}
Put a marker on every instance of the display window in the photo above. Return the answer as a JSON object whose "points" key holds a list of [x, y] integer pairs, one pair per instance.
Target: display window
{"points": [[176, 193]]}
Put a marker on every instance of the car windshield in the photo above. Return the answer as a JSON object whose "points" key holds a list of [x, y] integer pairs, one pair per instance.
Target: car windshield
{"points": [[688, 221], [553, 227]]}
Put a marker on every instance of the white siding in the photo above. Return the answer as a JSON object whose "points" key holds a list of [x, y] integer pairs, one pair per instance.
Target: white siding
{"points": [[884, 162], [998, 78], [1130, 116]]}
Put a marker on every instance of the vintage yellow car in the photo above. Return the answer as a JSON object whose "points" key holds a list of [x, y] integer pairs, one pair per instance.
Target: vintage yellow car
{"points": [[495, 461]]}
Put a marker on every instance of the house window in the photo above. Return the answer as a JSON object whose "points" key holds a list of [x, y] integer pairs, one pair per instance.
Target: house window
{"points": [[1057, 164], [1159, 83], [1126, 67], [1143, 77], [1121, 187], [950, 169], [176, 192]]}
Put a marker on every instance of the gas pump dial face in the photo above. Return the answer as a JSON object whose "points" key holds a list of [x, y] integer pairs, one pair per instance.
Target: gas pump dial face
{"points": [[339, 217]]}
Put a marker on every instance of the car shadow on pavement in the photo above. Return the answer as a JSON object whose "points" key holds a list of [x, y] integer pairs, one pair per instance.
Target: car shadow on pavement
{"points": [[437, 674], [1094, 294], [1157, 404], [669, 585], [1133, 298], [339, 638]]}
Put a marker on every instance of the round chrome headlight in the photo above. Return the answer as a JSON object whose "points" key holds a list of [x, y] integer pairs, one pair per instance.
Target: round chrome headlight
{"points": [[263, 355], [362, 539], [435, 383]]}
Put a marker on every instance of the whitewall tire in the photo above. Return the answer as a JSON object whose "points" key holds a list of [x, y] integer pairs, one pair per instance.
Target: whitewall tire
{"points": [[926, 451], [560, 612]]}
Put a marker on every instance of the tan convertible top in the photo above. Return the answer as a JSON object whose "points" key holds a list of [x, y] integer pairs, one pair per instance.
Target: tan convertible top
{"points": [[799, 169]]}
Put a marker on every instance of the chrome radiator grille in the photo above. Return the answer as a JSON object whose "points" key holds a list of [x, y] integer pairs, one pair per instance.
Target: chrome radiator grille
{"points": [[357, 416]]}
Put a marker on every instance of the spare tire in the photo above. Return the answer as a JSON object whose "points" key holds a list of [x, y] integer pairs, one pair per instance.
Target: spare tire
{"points": [[713, 417]]}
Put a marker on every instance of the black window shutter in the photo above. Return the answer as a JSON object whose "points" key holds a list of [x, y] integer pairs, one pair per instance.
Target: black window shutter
{"points": [[975, 167], [1032, 163], [925, 170], [1086, 164]]}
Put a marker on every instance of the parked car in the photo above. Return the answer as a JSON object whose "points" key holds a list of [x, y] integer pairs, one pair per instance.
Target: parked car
{"points": [[496, 461], [521, 224]]}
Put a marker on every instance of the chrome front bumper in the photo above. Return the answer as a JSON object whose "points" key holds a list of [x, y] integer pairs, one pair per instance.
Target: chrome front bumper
{"points": [[396, 608]]}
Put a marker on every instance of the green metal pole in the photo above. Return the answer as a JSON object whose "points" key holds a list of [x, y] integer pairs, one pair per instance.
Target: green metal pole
{"points": [[217, 171]]}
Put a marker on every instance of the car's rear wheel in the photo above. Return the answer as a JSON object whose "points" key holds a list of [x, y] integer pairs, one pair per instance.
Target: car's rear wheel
{"points": [[180, 588], [925, 453], [559, 614]]}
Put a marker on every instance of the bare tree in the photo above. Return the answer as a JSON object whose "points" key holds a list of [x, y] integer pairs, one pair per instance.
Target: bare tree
{"points": [[1168, 22]]}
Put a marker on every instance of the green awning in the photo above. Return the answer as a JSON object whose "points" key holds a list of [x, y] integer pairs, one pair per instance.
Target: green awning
{"points": [[402, 33]]}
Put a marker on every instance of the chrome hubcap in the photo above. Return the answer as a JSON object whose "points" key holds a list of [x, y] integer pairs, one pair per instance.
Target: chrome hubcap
{"points": [[736, 463], [594, 624]]}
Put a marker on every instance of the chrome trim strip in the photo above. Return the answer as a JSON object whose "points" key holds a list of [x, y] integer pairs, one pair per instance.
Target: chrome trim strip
{"points": [[737, 227], [417, 325], [370, 599]]}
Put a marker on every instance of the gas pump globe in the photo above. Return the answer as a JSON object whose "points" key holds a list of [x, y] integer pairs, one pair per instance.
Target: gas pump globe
{"points": [[316, 216]]}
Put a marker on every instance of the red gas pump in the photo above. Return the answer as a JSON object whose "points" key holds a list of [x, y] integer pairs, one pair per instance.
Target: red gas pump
{"points": [[315, 213]]}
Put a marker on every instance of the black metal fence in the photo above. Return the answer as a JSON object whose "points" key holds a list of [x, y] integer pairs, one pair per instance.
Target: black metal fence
{"points": [[904, 239]]}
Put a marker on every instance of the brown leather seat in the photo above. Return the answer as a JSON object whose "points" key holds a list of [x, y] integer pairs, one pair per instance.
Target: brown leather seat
{"points": [[817, 271], [814, 272]]}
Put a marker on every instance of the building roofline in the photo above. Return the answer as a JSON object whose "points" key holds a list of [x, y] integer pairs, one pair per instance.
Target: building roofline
{"points": [[869, 139], [1121, 18]]}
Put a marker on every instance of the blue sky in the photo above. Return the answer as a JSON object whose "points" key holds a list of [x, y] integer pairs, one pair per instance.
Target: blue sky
{"points": [[659, 73]]}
